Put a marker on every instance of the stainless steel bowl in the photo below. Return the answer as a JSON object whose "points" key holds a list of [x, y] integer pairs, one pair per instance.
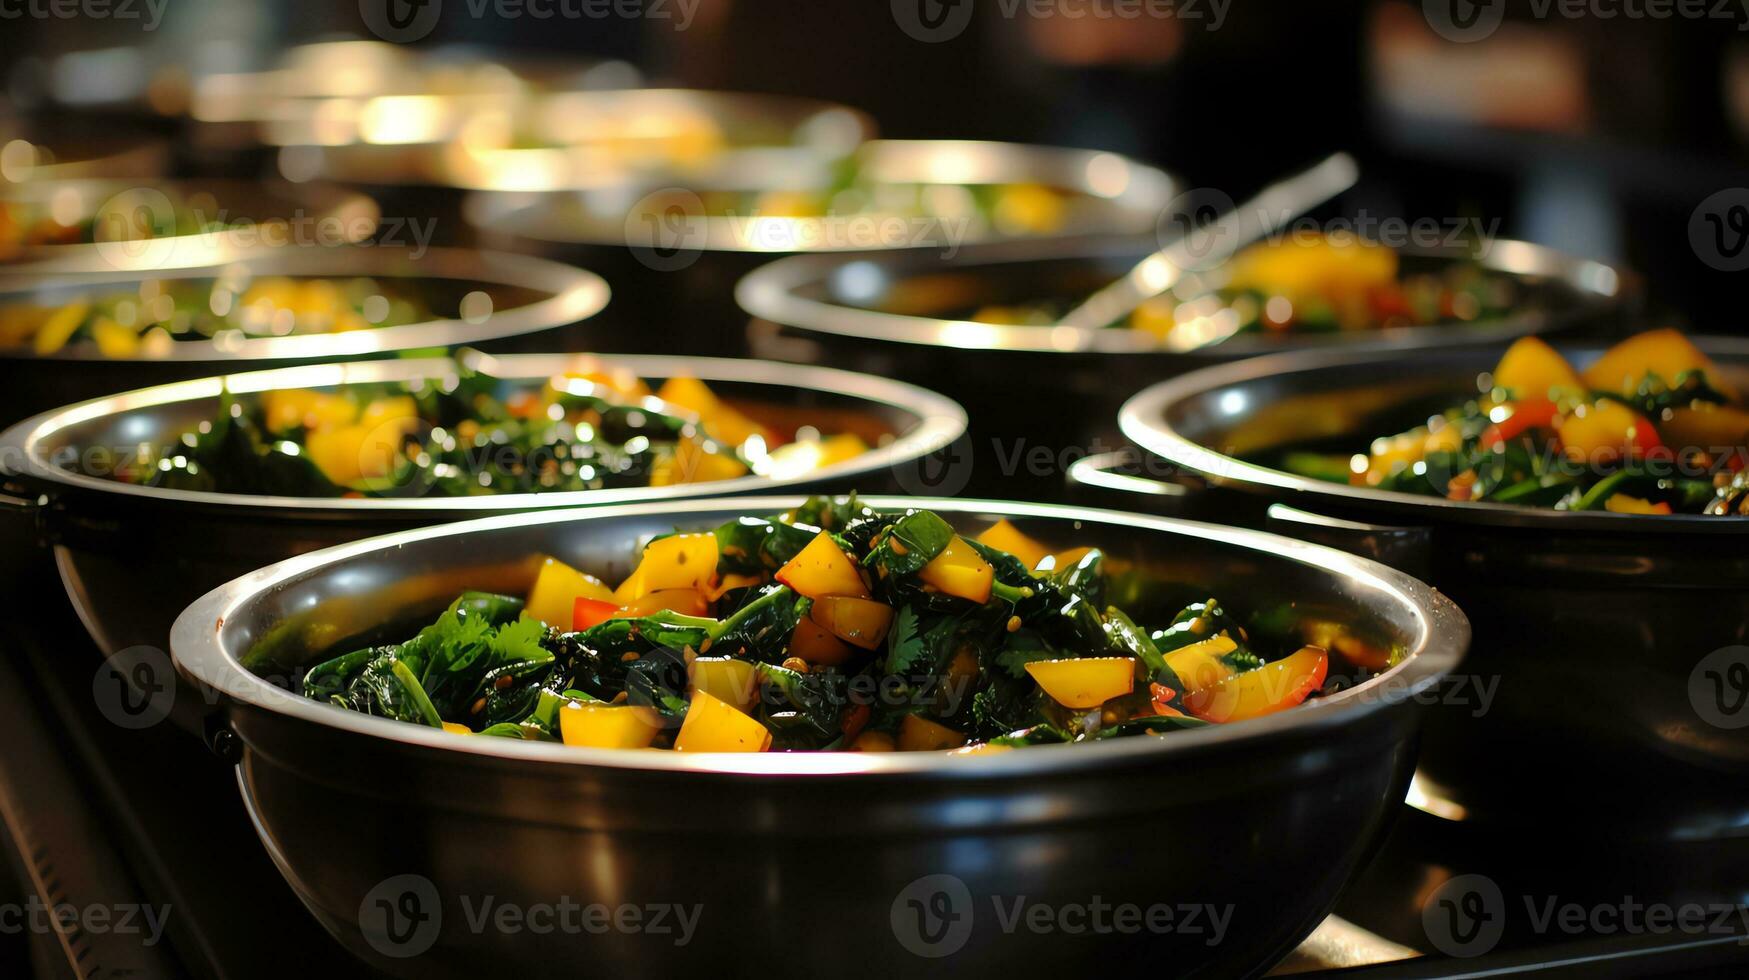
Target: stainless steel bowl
{"points": [[532, 299], [1107, 194], [551, 140], [333, 93], [314, 213], [133, 556], [809, 858], [1595, 627], [900, 313], [639, 228]]}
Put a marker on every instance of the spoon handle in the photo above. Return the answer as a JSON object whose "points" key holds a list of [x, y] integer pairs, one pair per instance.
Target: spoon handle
{"points": [[1273, 208]]}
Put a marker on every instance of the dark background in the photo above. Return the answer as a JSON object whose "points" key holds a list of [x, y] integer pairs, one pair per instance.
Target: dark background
{"points": [[1592, 133]]}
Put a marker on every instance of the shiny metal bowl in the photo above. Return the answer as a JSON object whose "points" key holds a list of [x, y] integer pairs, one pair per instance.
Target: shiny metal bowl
{"points": [[573, 139], [303, 213], [334, 93], [1597, 628], [1107, 194], [894, 859], [133, 556], [531, 298], [898, 313], [660, 228]]}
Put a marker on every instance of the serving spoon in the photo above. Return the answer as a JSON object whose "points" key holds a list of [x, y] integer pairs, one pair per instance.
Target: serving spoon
{"points": [[1203, 246]]}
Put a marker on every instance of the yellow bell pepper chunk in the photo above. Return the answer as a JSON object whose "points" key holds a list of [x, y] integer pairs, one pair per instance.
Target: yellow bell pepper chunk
{"points": [[960, 571], [857, 621], [1665, 353], [351, 453], [817, 645], [823, 569], [982, 748], [917, 734], [733, 682], [401, 411], [556, 590], [679, 561], [1199, 665], [1530, 368], [722, 422], [873, 742], [455, 729], [1086, 682], [20, 321], [692, 463], [1028, 209], [596, 725], [1004, 536], [60, 327], [1602, 432], [1262, 691], [295, 408], [713, 725], [1705, 426], [1621, 503], [690, 602], [113, 339]]}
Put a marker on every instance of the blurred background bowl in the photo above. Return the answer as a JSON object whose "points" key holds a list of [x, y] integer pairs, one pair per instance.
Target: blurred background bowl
{"points": [[485, 299], [906, 314], [685, 239], [99, 527], [1594, 626]]}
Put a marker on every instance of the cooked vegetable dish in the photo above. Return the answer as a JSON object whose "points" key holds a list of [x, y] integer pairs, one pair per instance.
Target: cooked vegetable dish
{"points": [[1325, 284], [152, 318], [471, 434], [836, 626], [1652, 427]]}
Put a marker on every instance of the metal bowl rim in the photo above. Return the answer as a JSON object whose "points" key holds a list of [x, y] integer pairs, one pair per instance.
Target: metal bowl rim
{"points": [[1143, 420], [572, 295], [769, 293], [327, 198], [940, 421], [493, 210], [1442, 639]]}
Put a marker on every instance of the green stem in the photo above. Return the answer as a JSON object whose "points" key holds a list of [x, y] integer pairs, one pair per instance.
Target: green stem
{"points": [[416, 693]]}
